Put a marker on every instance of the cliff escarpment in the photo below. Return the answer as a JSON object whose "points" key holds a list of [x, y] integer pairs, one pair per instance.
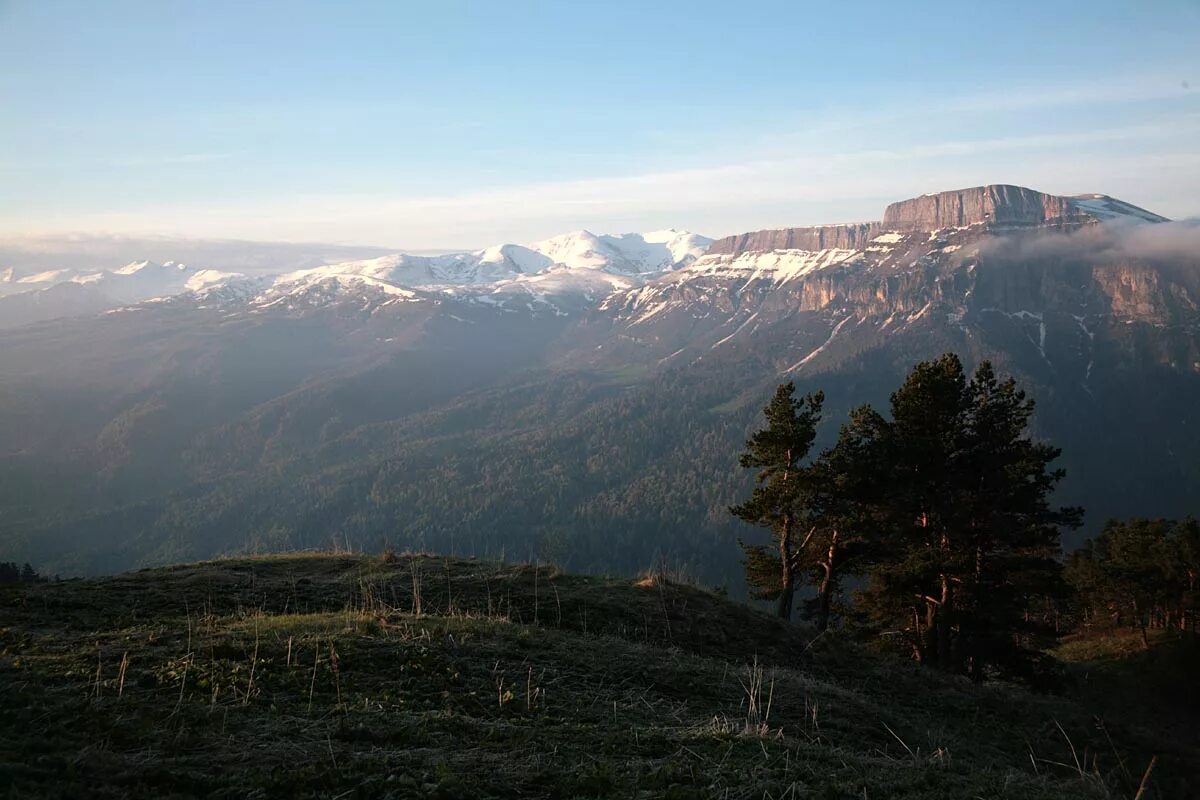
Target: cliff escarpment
{"points": [[994, 205], [821, 237]]}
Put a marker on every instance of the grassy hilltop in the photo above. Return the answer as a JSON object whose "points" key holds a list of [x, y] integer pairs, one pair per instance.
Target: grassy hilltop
{"points": [[418, 676]]}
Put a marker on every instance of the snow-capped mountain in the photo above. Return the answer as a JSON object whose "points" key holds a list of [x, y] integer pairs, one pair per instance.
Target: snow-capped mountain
{"points": [[564, 273], [574, 268], [14, 282], [131, 283], [67, 292], [146, 280], [625, 254]]}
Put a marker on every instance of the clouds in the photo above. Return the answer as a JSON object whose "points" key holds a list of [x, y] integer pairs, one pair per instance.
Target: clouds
{"points": [[778, 168], [30, 254], [1168, 244], [716, 200], [1169, 241]]}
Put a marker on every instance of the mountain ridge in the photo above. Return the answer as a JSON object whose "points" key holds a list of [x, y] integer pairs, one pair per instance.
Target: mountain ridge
{"points": [[538, 275], [503, 270], [577, 411], [990, 204]]}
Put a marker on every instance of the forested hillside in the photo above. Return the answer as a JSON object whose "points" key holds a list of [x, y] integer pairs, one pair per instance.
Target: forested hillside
{"points": [[597, 430]]}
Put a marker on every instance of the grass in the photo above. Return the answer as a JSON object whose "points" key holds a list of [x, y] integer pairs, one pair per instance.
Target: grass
{"points": [[418, 676], [1115, 673]]}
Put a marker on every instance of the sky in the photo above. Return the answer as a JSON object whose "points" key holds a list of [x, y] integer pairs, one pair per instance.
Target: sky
{"points": [[447, 125]]}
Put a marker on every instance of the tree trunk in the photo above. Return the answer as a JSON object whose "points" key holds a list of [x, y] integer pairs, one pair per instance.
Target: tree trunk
{"points": [[945, 657], [825, 593], [787, 577], [1139, 619], [931, 633]]}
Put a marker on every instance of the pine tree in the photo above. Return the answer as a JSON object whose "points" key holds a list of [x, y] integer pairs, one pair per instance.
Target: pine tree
{"points": [[777, 501], [1139, 573], [841, 489], [912, 589], [1011, 528], [1185, 552], [970, 539]]}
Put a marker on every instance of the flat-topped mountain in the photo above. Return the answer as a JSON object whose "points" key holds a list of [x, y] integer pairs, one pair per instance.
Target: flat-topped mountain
{"points": [[992, 205], [1004, 205], [981, 205]]}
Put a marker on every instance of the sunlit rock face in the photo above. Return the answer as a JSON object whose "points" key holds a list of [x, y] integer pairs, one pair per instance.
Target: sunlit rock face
{"points": [[982, 205], [995, 205], [823, 237], [1055, 278]]}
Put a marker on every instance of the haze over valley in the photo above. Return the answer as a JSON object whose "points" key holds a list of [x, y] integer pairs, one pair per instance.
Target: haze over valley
{"points": [[524, 399]]}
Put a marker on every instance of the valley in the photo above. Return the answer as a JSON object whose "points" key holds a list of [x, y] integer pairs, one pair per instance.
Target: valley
{"points": [[585, 412]]}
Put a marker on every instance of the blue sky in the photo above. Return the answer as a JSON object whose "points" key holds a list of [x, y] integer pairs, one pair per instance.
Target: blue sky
{"points": [[459, 124]]}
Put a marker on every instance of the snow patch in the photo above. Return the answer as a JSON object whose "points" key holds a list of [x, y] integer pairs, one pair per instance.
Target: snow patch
{"points": [[821, 349], [1091, 335], [736, 332], [1105, 208], [778, 266], [1023, 314]]}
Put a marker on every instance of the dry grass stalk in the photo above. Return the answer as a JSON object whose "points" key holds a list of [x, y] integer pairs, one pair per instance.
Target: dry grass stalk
{"points": [[121, 674], [415, 569]]}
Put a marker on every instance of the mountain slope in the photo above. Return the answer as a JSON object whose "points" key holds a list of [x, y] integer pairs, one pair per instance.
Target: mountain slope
{"points": [[583, 415], [319, 675], [70, 293], [1101, 322]]}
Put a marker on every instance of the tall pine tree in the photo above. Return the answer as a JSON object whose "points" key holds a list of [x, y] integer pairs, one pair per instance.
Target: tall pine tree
{"points": [[970, 537], [778, 500], [842, 487]]}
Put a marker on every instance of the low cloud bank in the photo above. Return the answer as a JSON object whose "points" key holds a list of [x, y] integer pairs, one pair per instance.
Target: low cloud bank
{"points": [[29, 254], [1164, 243]]}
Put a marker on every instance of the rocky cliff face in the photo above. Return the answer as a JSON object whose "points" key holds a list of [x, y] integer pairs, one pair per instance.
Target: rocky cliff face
{"points": [[996, 268], [822, 237], [992, 206], [998, 204]]}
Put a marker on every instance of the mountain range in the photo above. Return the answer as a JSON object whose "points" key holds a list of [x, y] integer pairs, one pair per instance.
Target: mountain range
{"points": [[580, 399], [578, 263]]}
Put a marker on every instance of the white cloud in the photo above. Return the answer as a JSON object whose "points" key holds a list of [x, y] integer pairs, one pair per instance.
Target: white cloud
{"points": [[1153, 162]]}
